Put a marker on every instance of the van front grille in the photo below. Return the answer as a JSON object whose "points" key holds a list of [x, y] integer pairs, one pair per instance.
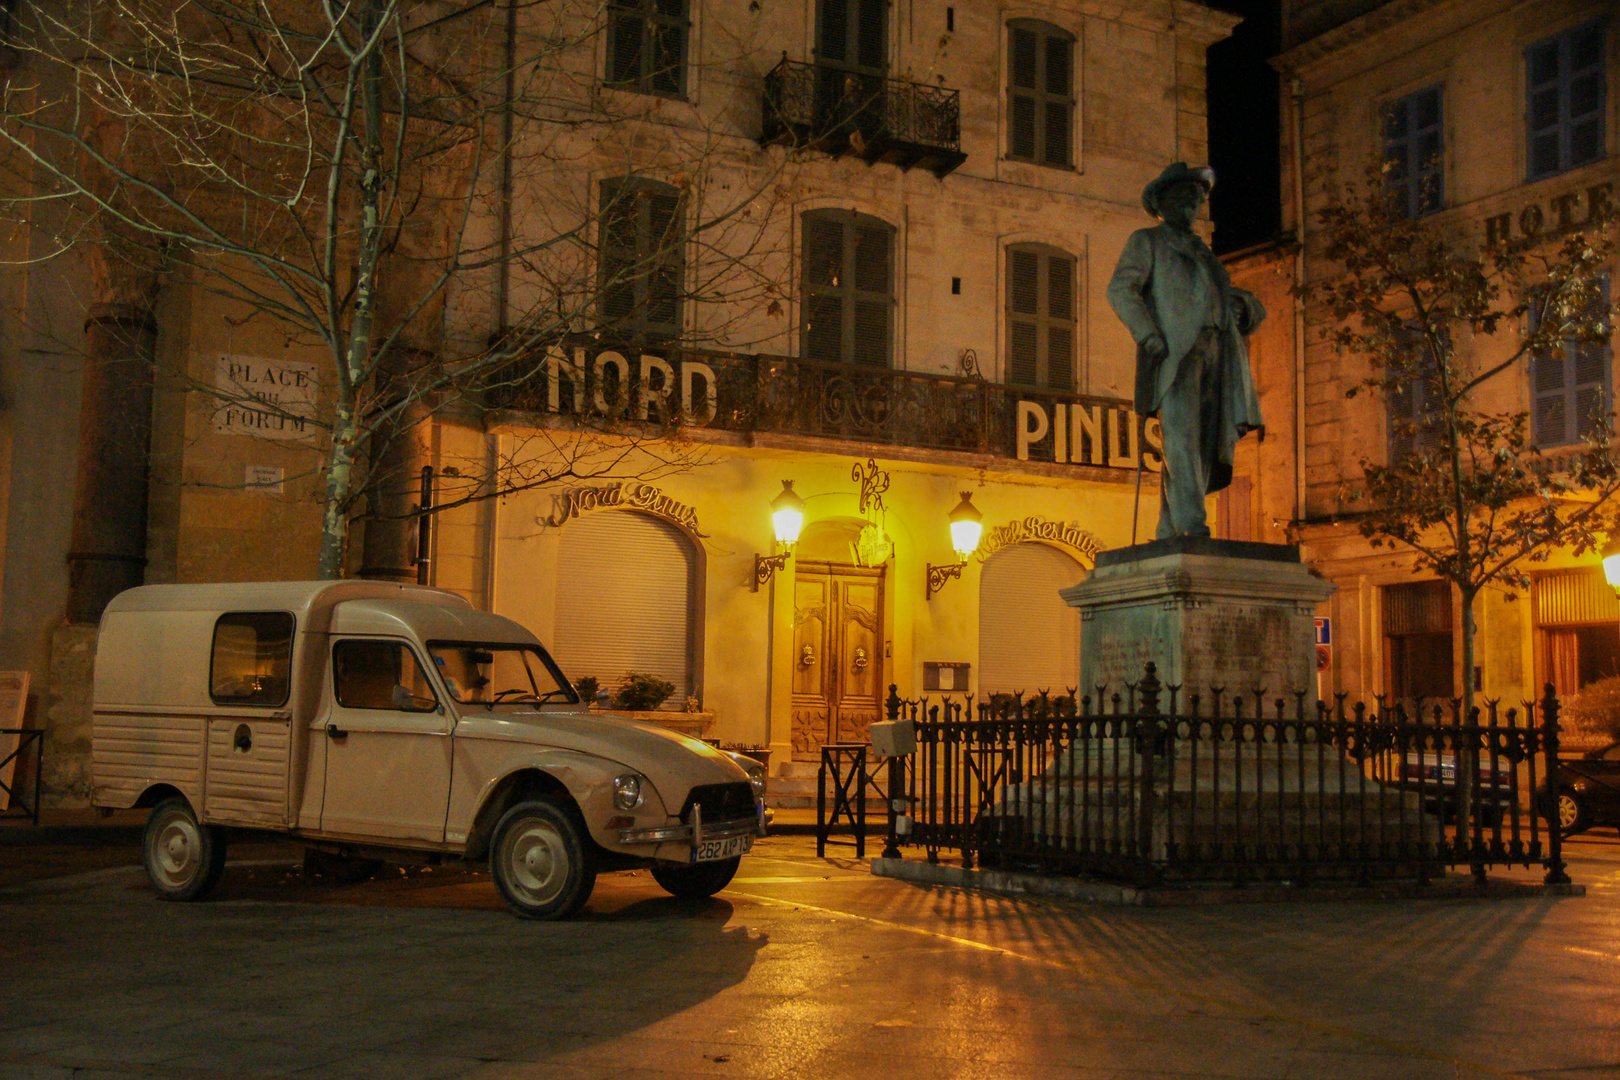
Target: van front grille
{"points": [[721, 802]]}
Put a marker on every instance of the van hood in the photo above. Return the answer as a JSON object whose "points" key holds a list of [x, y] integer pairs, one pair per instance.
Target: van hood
{"points": [[675, 763]]}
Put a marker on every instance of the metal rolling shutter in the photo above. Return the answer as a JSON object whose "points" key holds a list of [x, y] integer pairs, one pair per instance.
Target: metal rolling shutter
{"points": [[1029, 639], [624, 601]]}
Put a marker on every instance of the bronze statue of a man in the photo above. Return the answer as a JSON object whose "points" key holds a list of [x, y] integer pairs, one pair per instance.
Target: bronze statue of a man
{"points": [[1192, 365]]}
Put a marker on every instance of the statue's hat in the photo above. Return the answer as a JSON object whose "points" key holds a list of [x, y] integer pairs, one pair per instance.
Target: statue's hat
{"points": [[1175, 174]]}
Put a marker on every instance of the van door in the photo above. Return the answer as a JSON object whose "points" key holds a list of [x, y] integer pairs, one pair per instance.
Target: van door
{"points": [[387, 744]]}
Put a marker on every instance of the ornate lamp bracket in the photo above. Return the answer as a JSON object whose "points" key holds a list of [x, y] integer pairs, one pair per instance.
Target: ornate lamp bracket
{"points": [[939, 575], [767, 565]]}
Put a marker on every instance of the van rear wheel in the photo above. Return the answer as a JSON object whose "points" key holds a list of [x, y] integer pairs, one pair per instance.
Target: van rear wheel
{"points": [[698, 881], [184, 858], [539, 860]]}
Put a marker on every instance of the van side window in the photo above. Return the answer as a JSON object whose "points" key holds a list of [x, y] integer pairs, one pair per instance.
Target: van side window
{"points": [[252, 658], [373, 674]]}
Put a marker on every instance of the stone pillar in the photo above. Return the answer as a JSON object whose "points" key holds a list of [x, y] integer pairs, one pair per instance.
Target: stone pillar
{"points": [[394, 482], [108, 550]]}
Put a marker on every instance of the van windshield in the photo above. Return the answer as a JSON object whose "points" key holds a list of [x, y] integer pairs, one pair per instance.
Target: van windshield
{"points": [[494, 673]]}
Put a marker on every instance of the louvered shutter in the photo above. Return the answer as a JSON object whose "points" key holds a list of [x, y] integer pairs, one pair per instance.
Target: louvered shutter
{"points": [[647, 45], [1570, 387], [640, 261], [832, 39], [1413, 161], [871, 46], [849, 288], [624, 601], [1018, 589], [1040, 318], [1040, 93]]}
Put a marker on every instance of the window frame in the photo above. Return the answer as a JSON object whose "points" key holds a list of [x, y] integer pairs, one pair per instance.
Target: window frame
{"points": [[400, 643], [1562, 82], [1574, 432], [213, 657], [852, 295], [1410, 202], [1042, 319], [646, 12], [1039, 94], [650, 256]]}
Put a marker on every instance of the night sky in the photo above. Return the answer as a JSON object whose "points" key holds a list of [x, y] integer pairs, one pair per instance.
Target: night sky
{"points": [[1243, 128]]}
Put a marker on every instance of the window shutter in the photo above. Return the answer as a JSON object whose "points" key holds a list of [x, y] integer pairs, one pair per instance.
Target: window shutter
{"points": [[647, 45], [1040, 318], [1413, 152], [624, 601], [1018, 588], [640, 261], [871, 50], [1040, 93], [833, 43], [1570, 388], [849, 286], [1565, 86]]}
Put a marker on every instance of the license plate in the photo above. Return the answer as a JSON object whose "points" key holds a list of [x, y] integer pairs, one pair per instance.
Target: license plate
{"points": [[729, 848]]}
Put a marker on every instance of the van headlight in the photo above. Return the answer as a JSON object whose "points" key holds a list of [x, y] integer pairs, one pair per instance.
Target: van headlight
{"points": [[756, 778], [627, 791]]}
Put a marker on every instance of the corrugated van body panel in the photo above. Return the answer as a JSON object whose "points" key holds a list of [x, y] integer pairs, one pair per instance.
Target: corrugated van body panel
{"points": [[247, 787], [128, 754]]}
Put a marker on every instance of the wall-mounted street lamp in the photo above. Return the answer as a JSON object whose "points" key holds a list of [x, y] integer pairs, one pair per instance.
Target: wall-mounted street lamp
{"points": [[1611, 565], [965, 531], [787, 518]]}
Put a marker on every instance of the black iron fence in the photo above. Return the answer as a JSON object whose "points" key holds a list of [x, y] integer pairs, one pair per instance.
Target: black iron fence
{"points": [[1222, 786]]}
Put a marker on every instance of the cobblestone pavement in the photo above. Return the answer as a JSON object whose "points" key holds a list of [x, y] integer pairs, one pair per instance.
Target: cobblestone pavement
{"points": [[803, 970]]}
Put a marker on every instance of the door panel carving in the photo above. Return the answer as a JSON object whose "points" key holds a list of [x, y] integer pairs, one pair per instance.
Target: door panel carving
{"points": [[838, 653]]}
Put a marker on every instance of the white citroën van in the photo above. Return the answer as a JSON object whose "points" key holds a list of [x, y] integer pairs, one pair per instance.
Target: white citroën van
{"points": [[382, 721]]}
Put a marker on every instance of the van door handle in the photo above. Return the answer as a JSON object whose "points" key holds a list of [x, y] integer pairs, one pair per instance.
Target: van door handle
{"points": [[335, 732]]}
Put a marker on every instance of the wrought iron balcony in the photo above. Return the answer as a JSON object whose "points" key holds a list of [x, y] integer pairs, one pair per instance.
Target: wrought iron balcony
{"points": [[854, 403], [879, 119]]}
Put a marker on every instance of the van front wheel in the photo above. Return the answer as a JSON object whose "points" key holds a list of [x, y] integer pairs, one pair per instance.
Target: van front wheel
{"points": [[184, 858], [539, 861]]}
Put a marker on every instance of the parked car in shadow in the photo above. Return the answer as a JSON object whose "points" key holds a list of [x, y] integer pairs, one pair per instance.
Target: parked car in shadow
{"points": [[1588, 791], [1434, 775]]}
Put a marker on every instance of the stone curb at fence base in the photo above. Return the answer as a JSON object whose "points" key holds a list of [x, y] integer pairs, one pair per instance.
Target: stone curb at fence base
{"points": [[1460, 887]]}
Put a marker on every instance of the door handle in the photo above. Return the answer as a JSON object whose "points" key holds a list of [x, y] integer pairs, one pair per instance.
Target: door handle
{"points": [[860, 659], [335, 732]]}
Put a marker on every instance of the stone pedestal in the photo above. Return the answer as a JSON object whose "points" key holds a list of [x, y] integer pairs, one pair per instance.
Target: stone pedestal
{"points": [[1209, 613]]}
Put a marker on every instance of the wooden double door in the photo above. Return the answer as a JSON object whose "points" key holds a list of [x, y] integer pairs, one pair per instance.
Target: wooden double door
{"points": [[837, 653]]}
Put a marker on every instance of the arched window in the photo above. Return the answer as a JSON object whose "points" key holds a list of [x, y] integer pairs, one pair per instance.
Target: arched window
{"points": [[1040, 317], [626, 591], [1018, 589], [848, 288], [1040, 93], [639, 261]]}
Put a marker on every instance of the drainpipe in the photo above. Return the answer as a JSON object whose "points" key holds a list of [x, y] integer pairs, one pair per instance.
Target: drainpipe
{"points": [[1298, 93], [503, 271]]}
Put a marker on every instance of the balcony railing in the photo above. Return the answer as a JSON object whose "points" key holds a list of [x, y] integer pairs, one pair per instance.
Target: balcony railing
{"points": [[847, 402], [879, 119]]}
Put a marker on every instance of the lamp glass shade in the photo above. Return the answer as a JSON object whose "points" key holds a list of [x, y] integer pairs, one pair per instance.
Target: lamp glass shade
{"points": [[966, 527], [1611, 569], [787, 514]]}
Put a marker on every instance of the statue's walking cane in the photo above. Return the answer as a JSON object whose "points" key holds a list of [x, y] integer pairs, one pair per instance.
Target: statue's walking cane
{"points": [[1136, 505]]}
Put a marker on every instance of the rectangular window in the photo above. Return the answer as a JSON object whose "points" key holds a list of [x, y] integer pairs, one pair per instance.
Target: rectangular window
{"points": [[1417, 638], [640, 262], [374, 673], [647, 46], [1565, 85], [849, 288], [1578, 623], [1040, 93], [1570, 388], [1040, 318], [1414, 153], [251, 663]]}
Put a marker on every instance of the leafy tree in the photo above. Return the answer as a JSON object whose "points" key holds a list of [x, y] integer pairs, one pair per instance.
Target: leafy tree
{"points": [[348, 172], [1443, 318]]}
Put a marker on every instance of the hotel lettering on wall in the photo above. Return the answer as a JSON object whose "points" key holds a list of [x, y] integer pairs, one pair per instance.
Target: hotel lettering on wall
{"points": [[1569, 210], [1088, 433], [602, 383]]}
